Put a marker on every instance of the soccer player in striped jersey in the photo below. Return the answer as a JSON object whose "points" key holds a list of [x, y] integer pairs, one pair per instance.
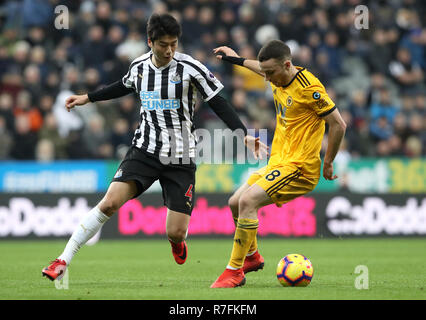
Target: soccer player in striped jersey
{"points": [[163, 147], [302, 109]]}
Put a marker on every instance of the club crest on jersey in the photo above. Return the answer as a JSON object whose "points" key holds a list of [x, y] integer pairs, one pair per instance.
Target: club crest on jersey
{"points": [[175, 79], [316, 95], [289, 101]]}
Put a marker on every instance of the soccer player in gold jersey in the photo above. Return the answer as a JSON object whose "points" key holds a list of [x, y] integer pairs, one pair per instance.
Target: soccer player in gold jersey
{"points": [[303, 107]]}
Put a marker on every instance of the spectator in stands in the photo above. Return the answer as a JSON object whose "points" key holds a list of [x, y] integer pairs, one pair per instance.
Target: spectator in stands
{"points": [[44, 151], [286, 24], [239, 101], [121, 135], [304, 57], [76, 147], [381, 129], [420, 103], [400, 126], [330, 46], [45, 104], [32, 81], [379, 55], [36, 12], [24, 140], [384, 107], [103, 16], [416, 125], [383, 149], [49, 132], [406, 73], [24, 108], [396, 146], [6, 111], [358, 107], [96, 138], [94, 49], [5, 139], [20, 53], [362, 145], [128, 110], [413, 147], [207, 26]]}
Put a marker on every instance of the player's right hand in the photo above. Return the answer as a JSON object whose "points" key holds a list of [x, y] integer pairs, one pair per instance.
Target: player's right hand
{"points": [[328, 171], [76, 100], [224, 50]]}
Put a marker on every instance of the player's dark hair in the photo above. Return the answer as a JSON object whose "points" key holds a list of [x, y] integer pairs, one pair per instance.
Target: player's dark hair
{"points": [[274, 49], [160, 25]]}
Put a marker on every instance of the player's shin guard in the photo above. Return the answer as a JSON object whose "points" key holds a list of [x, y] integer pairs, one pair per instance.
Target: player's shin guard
{"points": [[245, 234]]}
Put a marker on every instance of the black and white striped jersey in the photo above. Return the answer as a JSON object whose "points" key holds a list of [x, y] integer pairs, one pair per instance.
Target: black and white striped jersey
{"points": [[167, 95]]}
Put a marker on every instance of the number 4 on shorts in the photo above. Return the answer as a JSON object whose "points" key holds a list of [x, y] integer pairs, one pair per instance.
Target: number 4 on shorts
{"points": [[189, 192]]}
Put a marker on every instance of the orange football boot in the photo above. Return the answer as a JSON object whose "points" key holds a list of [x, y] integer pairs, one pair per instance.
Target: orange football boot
{"points": [[230, 279], [253, 263], [180, 251], [56, 270]]}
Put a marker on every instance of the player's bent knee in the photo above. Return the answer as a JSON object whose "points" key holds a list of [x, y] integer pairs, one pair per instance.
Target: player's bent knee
{"points": [[246, 204], [109, 206], [233, 203]]}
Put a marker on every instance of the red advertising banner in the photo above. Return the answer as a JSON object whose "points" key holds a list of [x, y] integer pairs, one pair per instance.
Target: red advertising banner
{"points": [[294, 219]]}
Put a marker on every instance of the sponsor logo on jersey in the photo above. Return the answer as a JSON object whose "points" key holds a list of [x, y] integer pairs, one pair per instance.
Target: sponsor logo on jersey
{"points": [[151, 100], [316, 95]]}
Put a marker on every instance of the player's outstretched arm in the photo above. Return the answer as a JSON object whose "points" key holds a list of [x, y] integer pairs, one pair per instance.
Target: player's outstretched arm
{"points": [[336, 132], [227, 54], [76, 100], [112, 91]]}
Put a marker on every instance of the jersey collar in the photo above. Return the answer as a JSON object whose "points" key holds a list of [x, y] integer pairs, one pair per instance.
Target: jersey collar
{"points": [[295, 76], [160, 68]]}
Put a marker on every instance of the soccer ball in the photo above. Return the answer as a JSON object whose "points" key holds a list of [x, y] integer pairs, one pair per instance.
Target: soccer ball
{"points": [[295, 270]]}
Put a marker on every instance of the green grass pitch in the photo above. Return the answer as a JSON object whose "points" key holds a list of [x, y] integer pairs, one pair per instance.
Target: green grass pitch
{"points": [[145, 270]]}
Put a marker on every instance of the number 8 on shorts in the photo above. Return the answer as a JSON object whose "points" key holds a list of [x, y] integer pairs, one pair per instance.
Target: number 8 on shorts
{"points": [[274, 174]]}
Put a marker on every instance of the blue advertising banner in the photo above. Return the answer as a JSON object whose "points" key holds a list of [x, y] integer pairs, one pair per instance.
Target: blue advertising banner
{"points": [[383, 176], [53, 177]]}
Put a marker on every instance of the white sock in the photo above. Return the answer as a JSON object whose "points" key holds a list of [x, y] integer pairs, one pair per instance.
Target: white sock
{"points": [[88, 227], [232, 268]]}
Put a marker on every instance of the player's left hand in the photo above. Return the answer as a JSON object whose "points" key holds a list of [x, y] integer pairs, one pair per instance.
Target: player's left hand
{"points": [[327, 171], [259, 149]]}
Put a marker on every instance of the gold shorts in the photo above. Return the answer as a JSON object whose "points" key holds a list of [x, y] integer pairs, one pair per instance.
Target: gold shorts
{"points": [[283, 182]]}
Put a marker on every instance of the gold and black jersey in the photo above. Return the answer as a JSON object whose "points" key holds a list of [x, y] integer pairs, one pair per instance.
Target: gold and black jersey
{"points": [[300, 106]]}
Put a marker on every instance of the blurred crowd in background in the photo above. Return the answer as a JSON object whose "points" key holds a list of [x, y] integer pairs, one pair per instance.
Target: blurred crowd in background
{"points": [[376, 76]]}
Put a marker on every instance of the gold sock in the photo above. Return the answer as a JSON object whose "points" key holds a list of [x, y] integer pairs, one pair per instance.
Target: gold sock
{"points": [[245, 233], [253, 246]]}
